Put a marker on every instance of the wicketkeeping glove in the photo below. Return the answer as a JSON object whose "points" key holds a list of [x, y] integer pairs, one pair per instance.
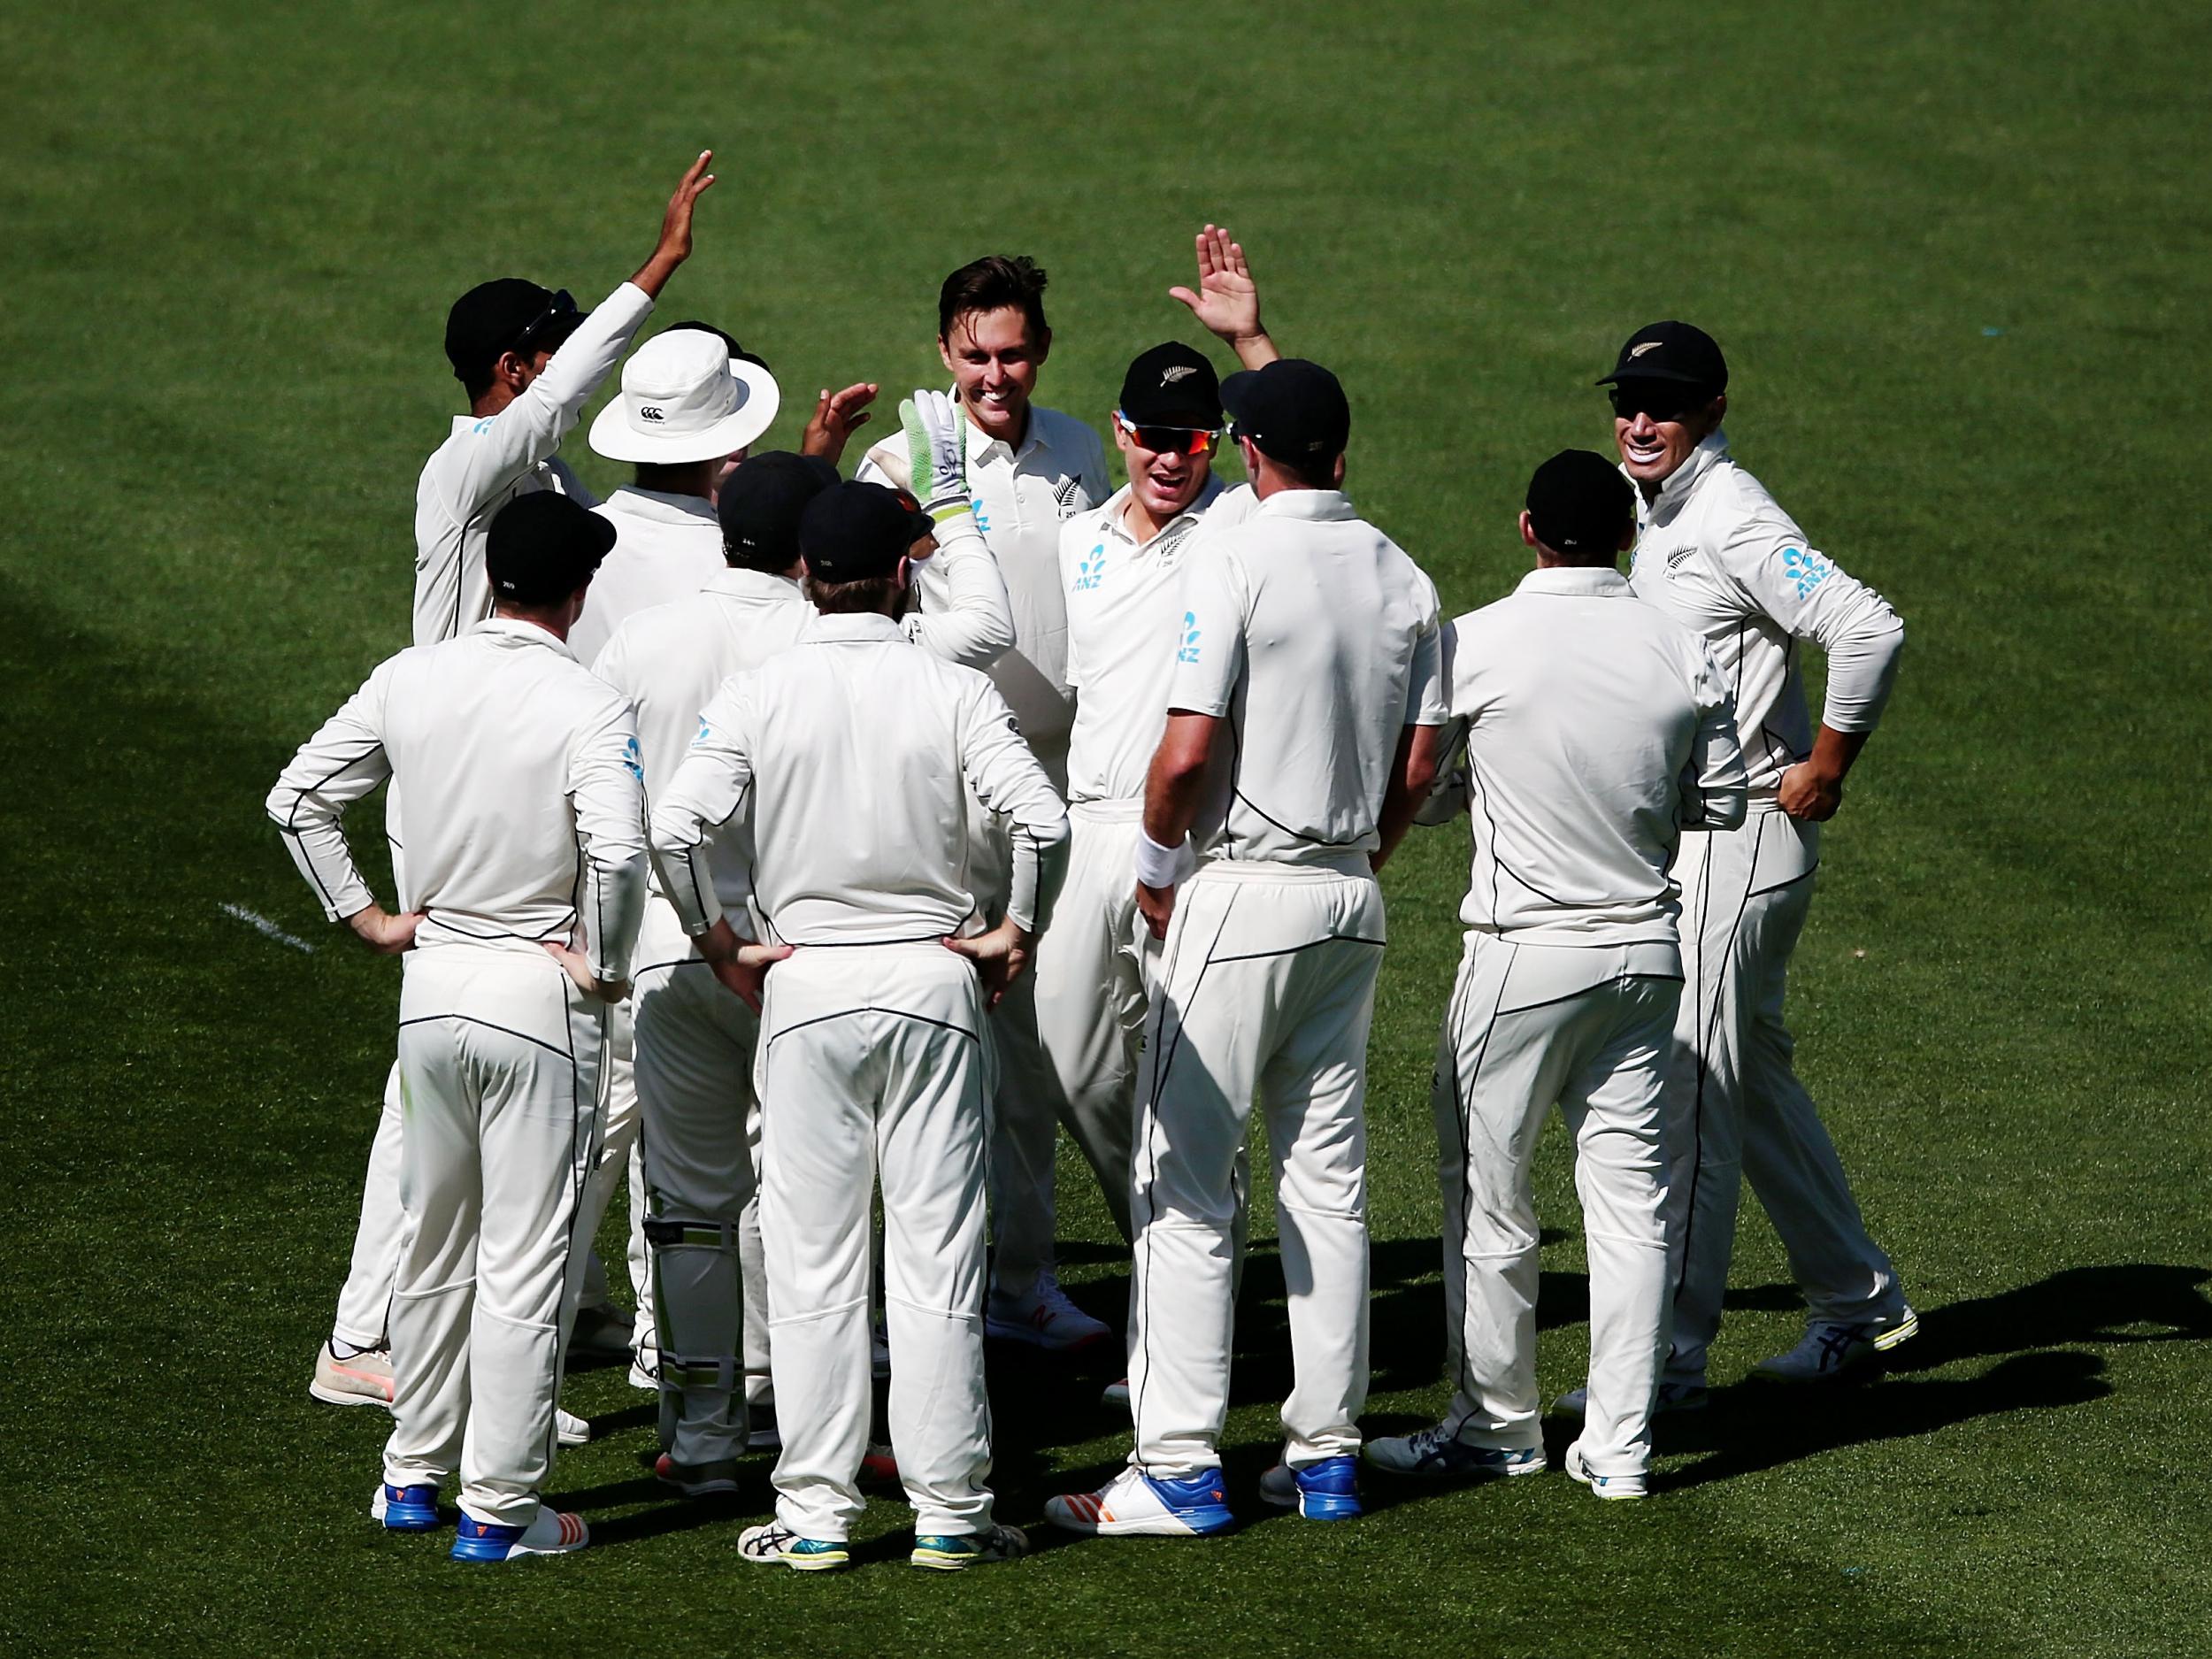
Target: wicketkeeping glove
{"points": [[937, 453]]}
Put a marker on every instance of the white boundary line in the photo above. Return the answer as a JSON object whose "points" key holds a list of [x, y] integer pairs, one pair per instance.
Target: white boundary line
{"points": [[268, 929]]}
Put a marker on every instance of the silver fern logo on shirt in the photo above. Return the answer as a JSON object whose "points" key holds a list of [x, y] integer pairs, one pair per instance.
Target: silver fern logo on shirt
{"points": [[1067, 495]]}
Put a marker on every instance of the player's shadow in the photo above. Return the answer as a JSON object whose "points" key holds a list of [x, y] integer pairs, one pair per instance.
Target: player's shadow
{"points": [[2036, 1333]]}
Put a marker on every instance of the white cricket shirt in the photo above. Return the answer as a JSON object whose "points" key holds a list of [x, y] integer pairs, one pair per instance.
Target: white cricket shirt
{"points": [[666, 546], [486, 462], [1717, 554], [1022, 496], [1316, 638], [1597, 730], [1123, 601], [855, 754], [517, 777]]}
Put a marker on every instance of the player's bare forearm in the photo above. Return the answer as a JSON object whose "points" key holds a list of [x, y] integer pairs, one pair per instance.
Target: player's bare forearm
{"points": [[1812, 789], [1176, 775], [384, 933], [675, 246], [1412, 772]]}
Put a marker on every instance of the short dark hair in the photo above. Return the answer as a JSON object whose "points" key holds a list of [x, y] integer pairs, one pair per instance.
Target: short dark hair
{"points": [[846, 599], [992, 284]]}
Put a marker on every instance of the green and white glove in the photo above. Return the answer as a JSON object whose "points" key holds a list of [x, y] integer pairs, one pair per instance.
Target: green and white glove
{"points": [[937, 453]]}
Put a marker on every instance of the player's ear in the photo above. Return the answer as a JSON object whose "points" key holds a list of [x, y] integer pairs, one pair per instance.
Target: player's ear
{"points": [[1528, 530], [1043, 345], [1336, 473], [944, 351], [1628, 535]]}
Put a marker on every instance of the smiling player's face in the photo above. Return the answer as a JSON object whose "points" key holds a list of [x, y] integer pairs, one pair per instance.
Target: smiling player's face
{"points": [[995, 359], [1655, 434], [1166, 481]]}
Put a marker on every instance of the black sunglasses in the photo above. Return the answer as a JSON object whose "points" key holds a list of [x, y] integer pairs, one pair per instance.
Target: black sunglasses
{"points": [[1662, 400], [562, 304]]}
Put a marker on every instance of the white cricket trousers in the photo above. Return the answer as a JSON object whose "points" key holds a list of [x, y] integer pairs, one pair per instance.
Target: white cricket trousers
{"points": [[1268, 986], [1734, 1105], [872, 1066], [1090, 993], [499, 1060], [695, 1044], [1588, 1028]]}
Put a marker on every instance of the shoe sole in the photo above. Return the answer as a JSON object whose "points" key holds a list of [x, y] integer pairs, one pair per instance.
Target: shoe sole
{"points": [[804, 1563], [1314, 1506], [1445, 1477], [1151, 1526], [1584, 1479], [347, 1397], [701, 1489]]}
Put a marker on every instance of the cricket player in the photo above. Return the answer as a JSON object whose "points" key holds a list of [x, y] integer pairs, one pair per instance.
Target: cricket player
{"points": [[1302, 732], [852, 753], [521, 806], [1715, 552], [1597, 730], [1030, 469], [694, 1047], [528, 361], [1121, 568]]}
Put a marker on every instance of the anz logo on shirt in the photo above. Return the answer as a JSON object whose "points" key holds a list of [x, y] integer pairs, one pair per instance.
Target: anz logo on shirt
{"points": [[705, 732], [1189, 652], [1805, 568], [982, 518], [632, 755], [1092, 571]]}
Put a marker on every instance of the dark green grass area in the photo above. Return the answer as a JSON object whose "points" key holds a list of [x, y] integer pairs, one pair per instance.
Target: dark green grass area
{"points": [[1958, 256]]}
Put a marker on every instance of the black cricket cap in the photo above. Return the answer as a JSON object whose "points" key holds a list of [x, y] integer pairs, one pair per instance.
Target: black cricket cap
{"points": [[737, 352], [760, 504], [1172, 385], [505, 315], [1294, 410], [542, 547], [1579, 503], [1670, 351], [853, 531]]}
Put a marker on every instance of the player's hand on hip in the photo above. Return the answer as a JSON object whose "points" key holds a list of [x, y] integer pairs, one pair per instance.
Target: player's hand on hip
{"points": [[577, 966], [383, 932], [740, 965], [1807, 792], [675, 246], [999, 958], [1156, 905], [837, 416]]}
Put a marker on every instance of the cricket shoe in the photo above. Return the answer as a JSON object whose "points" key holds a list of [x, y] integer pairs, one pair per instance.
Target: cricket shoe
{"points": [[1437, 1453], [645, 1371], [554, 1533], [601, 1333], [775, 1545], [697, 1481], [1672, 1396], [569, 1429], [1043, 1318], [362, 1378], [404, 1509], [1325, 1491], [1829, 1349], [1613, 1488], [940, 1554], [1116, 1394], [1160, 1506]]}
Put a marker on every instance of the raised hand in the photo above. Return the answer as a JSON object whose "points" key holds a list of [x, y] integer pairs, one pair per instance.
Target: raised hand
{"points": [[675, 246], [1227, 301], [837, 416]]}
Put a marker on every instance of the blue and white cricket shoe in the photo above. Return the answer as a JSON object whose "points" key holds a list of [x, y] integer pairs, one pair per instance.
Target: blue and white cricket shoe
{"points": [[1831, 1349], [1325, 1491], [773, 1544], [1437, 1453], [554, 1533], [1158, 1506], [1611, 1487], [405, 1508]]}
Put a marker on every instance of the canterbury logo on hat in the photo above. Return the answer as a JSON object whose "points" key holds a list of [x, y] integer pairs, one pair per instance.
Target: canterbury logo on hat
{"points": [[650, 412]]}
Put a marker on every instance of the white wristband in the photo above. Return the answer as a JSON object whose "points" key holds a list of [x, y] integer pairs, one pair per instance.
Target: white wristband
{"points": [[1159, 866]]}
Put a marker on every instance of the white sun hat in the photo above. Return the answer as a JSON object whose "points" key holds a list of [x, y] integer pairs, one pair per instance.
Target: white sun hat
{"points": [[685, 398]]}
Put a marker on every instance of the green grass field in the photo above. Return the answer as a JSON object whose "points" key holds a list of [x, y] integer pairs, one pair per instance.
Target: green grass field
{"points": [[1958, 254]]}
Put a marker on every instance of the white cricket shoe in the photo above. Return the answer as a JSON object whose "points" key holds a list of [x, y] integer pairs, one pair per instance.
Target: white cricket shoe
{"points": [[364, 1378], [645, 1371], [1673, 1396], [1613, 1488], [1115, 1394], [1830, 1349], [569, 1429], [1133, 1502], [1044, 1318]]}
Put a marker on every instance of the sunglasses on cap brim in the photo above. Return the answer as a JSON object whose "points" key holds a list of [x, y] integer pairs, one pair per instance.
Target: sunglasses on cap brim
{"points": [[1662, 400], [562, 305], [1169, 440]]}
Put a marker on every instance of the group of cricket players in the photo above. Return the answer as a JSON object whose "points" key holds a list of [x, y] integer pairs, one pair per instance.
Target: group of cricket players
{"points": [[777, 842]]}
